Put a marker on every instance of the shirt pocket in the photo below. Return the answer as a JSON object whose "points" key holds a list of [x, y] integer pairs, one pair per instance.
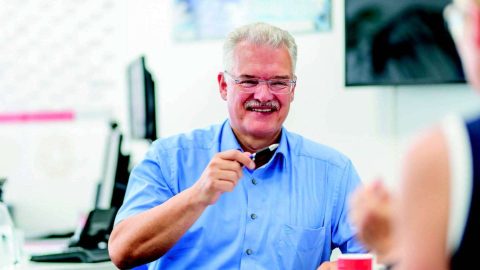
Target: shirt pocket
{"points": [[299, 247]]}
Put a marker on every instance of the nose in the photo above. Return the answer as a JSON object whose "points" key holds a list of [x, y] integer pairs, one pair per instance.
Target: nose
{"points": [[263, 93]]}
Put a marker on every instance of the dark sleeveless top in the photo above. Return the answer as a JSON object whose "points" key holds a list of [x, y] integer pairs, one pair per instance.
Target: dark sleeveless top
{"points": [[465, 257]]}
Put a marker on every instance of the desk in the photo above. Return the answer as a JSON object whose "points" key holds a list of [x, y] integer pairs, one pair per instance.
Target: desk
{"points": [[64, 266], [31, 247]]}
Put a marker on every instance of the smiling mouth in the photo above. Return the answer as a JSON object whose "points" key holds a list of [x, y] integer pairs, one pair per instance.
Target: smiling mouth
{"points": [[259, 107], [261, 110]]}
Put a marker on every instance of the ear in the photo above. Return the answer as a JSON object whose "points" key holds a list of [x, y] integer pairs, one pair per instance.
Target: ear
{"points": [[475, 17], [222, 85]]}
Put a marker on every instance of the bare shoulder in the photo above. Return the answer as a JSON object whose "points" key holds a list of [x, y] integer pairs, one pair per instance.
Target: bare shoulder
{"points": [[426, 162], [424, 202]]}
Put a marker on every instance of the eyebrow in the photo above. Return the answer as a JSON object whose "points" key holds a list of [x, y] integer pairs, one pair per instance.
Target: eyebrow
{"points": [[281, 77]]}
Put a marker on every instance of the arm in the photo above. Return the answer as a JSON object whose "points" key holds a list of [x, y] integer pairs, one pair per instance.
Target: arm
{"points": [[424, 204], [147, 236], [372, 213]]}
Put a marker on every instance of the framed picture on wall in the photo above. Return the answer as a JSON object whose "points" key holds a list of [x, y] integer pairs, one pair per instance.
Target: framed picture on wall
{"points": [[213, 19]]}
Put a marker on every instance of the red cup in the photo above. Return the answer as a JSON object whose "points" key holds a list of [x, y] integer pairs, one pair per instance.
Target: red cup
{"points": [[355, 262]]}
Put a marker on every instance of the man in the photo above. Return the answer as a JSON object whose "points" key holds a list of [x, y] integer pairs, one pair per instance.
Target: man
{"points": [[198, 201], [438, 221]]}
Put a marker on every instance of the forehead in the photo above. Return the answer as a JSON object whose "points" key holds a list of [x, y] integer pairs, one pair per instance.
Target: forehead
{"points": [[253, 58]]}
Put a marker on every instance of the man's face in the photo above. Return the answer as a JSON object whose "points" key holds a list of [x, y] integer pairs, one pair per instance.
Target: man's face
{"points": [[259, 114]]}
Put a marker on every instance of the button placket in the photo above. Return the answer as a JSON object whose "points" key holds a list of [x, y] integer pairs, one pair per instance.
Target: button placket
{"points": [[253, 212]]}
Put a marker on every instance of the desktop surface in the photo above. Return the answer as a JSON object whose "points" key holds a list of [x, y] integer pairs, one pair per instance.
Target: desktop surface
{"points": [[73, 254], [64, 266], [51, 246]]}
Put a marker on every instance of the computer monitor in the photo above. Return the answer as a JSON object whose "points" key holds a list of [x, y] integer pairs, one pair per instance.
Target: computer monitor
{"points": [[141, 101], [399, 43], [113, 184]]}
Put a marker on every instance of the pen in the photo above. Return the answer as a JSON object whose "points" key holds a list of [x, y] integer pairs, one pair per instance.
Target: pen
{"points": [[264, 153]]}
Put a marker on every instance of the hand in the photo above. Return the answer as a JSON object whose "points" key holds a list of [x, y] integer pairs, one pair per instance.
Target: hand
{"points": [[371, 212], [221, 175], [328, 266]]}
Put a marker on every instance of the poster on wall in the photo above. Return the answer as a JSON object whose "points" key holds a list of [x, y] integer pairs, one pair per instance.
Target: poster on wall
{"points": [[213, 19]]}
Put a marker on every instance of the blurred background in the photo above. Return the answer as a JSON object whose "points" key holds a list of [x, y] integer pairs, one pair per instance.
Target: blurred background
{"points": [[67, 70]]}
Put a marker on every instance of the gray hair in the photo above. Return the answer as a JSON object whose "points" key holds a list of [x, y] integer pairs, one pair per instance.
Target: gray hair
{"points": [[258, 34]]}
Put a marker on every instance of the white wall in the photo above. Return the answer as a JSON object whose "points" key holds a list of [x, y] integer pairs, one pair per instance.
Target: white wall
{"points": [[369, 124], [356, 121], [58, 56], [52, 171]]}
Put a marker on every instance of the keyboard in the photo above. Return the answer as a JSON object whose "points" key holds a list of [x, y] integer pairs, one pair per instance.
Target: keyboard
{"points": [[74, 254]]}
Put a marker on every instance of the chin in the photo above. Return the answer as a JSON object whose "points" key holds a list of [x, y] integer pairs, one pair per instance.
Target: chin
{"points": [[262, 130]]}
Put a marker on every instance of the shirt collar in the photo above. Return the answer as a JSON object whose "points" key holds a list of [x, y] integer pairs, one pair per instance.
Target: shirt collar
{"points": [[229, 141], [283, 144]]}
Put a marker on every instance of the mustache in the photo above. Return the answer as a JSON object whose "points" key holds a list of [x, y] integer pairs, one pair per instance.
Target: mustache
{"points": [[252, 103]]}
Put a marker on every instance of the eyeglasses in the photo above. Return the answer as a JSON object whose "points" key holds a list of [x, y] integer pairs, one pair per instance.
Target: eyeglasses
{"points": [[276, 86], [454, 16]]}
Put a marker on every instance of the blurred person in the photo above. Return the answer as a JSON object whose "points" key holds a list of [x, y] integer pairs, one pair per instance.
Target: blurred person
{"points": [[373, 215], [197, 200], [434, 223]]}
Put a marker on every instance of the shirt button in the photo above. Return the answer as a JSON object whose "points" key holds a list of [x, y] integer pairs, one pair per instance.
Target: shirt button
{"points": [[249, 251], [254, 181], [253, 216]]}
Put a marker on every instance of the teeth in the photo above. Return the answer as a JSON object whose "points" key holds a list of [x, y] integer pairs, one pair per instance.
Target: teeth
{"points": [[262, 110], [257, 106]]}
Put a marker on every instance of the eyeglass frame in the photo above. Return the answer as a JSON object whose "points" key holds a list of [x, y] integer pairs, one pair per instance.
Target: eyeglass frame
{"points": [[252, 89]]}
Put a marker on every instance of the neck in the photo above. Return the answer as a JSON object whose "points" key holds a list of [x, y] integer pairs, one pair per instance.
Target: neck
{"points": [[252, 144]]}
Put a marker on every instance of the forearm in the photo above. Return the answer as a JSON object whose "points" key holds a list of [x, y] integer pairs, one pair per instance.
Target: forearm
{"points": [[147, 236]]}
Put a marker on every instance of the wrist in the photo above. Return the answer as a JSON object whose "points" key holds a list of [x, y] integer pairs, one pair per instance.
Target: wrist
{"points": [[385, 251], [388, 258], [195, 199]]}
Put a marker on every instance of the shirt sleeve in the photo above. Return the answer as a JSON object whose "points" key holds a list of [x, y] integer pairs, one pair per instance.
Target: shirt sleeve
{"points": [[148, 184], [343, 232]]}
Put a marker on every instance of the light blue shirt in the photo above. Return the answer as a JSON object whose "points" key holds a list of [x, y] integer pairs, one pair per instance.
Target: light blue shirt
{"points": [[288, 214]]}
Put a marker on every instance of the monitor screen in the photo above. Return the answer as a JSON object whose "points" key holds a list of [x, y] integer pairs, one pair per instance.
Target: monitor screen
{"points": [[399, 43], [113, 184], [141, 101], [97, 229]]}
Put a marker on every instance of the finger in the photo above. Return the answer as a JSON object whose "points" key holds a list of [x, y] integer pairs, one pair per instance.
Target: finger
{"points": [[355, 217], [242, 158], [229, 165], [224, 186], [355, 196], [231, 176], [377, 182], [219, 166]]}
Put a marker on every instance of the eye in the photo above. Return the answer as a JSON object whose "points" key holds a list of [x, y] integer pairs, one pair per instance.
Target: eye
{"points": [[279, 83], [248, 83]]}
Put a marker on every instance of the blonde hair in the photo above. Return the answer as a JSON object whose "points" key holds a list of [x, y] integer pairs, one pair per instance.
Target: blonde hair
{"points": [[259, 34]]}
